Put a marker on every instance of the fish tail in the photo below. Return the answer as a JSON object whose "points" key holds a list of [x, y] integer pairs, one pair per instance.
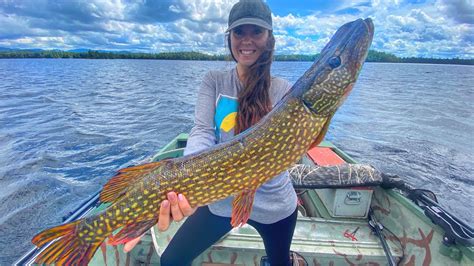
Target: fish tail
{"points": [[51, 234], [67, 249]]}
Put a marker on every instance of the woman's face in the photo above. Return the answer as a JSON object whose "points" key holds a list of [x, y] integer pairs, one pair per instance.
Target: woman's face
{"points": [[247, 43]]}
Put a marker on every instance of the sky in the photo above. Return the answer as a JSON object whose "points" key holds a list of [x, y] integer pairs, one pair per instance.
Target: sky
{"points": [[421, 28]]}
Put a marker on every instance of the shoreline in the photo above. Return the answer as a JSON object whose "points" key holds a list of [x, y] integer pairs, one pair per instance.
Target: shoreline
{"points": [[179, 59], [374, 56]]}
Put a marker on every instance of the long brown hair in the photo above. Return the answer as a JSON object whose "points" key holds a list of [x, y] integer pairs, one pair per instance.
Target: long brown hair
{"points": [[254, 99]]}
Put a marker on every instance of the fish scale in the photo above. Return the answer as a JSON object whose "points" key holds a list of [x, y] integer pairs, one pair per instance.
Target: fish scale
{"points": [[238, 167], [252, 169], [248, 158]]}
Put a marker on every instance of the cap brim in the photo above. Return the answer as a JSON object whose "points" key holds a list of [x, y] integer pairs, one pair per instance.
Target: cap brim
{"points": [[251, 21]]}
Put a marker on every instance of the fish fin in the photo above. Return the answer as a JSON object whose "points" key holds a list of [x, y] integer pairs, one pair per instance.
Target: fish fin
{"points": [[51, 234], [321, 134], [118, 185], [131, 231], [68, 249], [242, 207]]}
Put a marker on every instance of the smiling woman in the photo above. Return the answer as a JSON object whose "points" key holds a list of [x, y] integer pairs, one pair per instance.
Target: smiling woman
{"points": [[248, 42], [229, 102]]}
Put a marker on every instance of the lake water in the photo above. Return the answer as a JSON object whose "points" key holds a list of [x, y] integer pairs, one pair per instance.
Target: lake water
{"points": [[66, 126]]}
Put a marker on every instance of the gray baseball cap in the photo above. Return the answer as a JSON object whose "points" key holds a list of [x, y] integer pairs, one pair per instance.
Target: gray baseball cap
{"points": [[254, 12]]}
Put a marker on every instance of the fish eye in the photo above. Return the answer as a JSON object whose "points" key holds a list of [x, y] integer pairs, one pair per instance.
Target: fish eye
{"points": [[334, 61]]}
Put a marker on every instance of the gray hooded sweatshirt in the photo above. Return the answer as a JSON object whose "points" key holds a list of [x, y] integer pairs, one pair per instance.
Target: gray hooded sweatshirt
{"points": [[214, 122]]}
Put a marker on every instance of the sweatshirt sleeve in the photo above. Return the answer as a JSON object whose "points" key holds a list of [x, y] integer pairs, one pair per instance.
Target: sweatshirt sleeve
{"points": [[202, 134], [280, 87]]}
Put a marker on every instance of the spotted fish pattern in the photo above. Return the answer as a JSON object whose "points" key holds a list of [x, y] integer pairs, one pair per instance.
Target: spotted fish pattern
{"points": [[298, 122]]}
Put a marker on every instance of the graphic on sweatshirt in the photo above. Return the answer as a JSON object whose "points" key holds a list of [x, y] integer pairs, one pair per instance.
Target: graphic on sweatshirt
{"points": [[225, 117]]}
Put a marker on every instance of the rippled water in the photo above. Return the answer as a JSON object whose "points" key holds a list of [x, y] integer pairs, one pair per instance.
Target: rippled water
{"points": [[68, 125]]}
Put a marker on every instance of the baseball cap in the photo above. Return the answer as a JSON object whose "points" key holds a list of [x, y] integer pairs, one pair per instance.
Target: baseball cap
{"points": [[254, 12]]}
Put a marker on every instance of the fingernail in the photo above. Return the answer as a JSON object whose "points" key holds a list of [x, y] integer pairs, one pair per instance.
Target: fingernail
{"points": [[172, 196], [165, 204], [180, 197]]}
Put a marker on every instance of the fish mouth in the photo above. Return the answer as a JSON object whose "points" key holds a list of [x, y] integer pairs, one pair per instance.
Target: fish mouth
{"points": [[370, 26]]}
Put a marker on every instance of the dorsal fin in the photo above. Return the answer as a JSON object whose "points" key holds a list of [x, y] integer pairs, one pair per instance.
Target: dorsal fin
{"points": [[119, 184]]}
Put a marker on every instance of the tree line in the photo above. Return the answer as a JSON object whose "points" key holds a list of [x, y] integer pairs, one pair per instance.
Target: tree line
{"points": [[376, 56], [373, 56]]}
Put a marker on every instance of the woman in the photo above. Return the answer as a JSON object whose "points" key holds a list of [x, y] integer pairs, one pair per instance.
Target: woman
{"points": [[228, 103]]}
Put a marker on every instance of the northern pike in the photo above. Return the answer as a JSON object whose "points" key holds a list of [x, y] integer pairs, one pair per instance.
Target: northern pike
{"points": [[237, 167]]}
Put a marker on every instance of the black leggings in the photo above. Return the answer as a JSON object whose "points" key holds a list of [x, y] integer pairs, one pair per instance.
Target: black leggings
{"points": [[202, 229]]}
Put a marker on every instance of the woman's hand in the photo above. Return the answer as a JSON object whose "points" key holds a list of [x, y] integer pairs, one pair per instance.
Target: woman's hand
{"points": [[176, 207]]}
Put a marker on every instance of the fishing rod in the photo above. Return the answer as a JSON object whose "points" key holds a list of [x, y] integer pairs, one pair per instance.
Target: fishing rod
{"points": [[456, 230], [377, 228]]}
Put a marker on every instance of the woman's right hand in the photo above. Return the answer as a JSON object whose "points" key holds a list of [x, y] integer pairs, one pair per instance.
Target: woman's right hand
{"points": [[176, 208]]}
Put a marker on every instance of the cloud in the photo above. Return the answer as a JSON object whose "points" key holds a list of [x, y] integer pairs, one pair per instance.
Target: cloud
{"points": [[353, 7], [461, 11], [67, 16], [100, 24], [13, 27], [157, 11], [418, 26], [425, 32], [415, 28], [438, 28]]}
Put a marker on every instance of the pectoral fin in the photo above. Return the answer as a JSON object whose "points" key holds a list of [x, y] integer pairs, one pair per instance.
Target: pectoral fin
{"points": [[242, 207], [131, 231]]}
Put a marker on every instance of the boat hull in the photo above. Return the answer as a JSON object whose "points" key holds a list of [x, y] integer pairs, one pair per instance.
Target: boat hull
{"points": [[320, 238]]}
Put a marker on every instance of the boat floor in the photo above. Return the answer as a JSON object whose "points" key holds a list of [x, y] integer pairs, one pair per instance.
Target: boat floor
{"points": [[320, 241]]}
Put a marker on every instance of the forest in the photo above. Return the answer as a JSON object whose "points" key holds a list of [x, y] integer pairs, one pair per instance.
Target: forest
{"points": [[374, 56]]}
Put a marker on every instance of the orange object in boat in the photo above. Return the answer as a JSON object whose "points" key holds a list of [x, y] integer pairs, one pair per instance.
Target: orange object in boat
{"points": [[324, 156]]}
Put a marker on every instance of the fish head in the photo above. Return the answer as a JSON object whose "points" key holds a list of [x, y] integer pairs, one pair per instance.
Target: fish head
{"points": [[325, 86]]}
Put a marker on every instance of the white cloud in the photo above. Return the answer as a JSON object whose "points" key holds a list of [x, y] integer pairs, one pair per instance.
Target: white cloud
{"points": [[112, 9], [439, 28], [208, 10], [458, 10], [308, 34]]}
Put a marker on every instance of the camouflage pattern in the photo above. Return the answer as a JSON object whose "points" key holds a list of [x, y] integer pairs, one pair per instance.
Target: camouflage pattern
{"points": [[321, 241], [421, 239], [320, 238], [345, 175]]}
